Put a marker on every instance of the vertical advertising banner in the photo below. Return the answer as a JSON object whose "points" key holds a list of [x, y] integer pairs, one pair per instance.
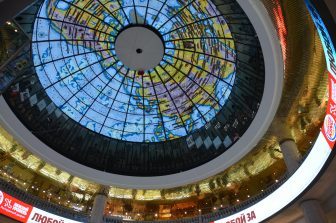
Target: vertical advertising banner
{"points": [[14, 208], [329, 126]]}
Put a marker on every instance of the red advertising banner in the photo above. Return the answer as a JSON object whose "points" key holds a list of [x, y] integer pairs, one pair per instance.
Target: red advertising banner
{"points": [[14, 208], [25, 213], [329, 126]]}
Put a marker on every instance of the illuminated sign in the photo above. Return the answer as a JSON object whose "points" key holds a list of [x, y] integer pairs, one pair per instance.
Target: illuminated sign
{"points": [[329, 127], [281, 27], [328, 46], [26, 213], [242, 218], [14, 208], [40, 216], [124, 217]]}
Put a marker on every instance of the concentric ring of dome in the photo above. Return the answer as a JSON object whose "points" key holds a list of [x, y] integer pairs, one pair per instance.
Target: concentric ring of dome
{"points": [[74, 54]]}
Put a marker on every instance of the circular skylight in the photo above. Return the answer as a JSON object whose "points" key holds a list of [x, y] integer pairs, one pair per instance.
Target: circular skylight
{"points": [[110, 77], [174, 76]]}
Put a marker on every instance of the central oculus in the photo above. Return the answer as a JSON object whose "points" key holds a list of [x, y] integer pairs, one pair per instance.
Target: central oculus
{"points": [[139, 48]]}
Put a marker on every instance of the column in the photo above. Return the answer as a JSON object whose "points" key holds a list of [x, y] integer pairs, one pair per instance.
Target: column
{"points": [[313, 212], [291, 154], [287, 144], [98, 207]]}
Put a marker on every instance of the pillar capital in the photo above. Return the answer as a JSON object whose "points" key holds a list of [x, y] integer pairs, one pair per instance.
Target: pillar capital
{"points": [[280, 130], [286, 140], [103, 190]]}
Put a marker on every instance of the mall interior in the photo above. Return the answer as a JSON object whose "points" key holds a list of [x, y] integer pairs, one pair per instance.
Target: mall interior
{"points": [[167, 111]]}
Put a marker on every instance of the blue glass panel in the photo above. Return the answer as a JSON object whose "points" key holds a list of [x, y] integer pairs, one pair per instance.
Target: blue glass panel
{"points": [[75, 57]]}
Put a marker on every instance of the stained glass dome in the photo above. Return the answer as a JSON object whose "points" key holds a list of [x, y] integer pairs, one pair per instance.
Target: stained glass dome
{"points": [[140, 70], [140, 88]]}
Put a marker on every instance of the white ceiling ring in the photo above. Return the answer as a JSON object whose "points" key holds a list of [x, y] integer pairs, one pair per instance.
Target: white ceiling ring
{"points": [[274, 73]]}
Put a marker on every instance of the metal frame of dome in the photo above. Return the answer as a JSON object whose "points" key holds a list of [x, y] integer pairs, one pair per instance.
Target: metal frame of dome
{"points": [[274, 70], [173, 99]]}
